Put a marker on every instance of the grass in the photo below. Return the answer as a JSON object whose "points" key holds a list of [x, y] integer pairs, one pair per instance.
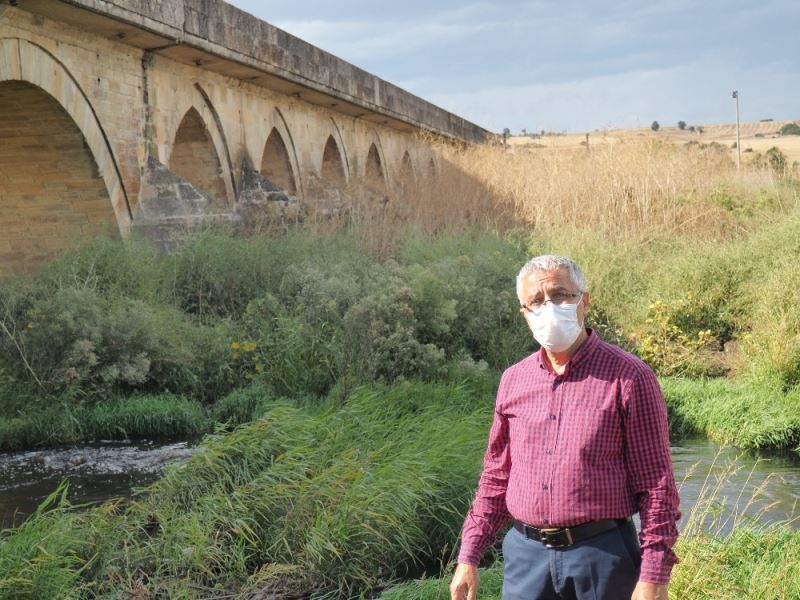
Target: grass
{"points": [[158, 416], [334, 500], [745, 414]]}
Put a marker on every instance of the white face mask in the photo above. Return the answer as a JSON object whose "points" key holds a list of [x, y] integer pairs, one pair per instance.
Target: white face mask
{"points": [[556, 326]]}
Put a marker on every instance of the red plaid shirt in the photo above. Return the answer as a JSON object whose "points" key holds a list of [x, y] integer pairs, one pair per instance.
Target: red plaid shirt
{"points": [[591, 443]]}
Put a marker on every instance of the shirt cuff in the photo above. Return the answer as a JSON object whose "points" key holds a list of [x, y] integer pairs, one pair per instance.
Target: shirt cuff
{"points": [[655, 572], [468, 556]]}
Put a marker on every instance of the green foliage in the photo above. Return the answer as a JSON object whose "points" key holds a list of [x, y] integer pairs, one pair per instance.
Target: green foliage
{"points": [[329, 500], [667, 347], [655, 126], [243, 405], [491, 587], [57, 550], [681, 125], [772, 343], [48, 422], [746, 414], [161, 416], [790, 129]]}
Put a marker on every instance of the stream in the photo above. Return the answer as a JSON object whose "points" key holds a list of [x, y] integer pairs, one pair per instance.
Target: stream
{"points": [[96, 472], [764, 486]]}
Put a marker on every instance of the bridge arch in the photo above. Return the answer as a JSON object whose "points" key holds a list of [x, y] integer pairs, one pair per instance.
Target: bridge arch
{"points": [[374, 169], [198, 150], [333, 169], [407, 175], [279, 158], [334, 156], [63, 179]]}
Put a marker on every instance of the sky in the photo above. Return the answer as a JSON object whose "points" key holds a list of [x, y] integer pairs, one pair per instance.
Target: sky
{"points": [[567, 65]]}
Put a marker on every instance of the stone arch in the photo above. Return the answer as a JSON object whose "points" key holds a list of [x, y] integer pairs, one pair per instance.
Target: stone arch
{"points": [[407, 167], [333, 170], [407, 178], [194, 158], [70, 185], [203, 134], [21, 60], [374, 171], [277, 123], [277, 164]]}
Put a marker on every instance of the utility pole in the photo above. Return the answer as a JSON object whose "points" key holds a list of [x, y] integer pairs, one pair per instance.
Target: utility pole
{"points": [[735, 96]]}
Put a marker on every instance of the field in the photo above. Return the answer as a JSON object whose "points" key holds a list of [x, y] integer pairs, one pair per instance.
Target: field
{"points": [[758, 136], [344, 371]]}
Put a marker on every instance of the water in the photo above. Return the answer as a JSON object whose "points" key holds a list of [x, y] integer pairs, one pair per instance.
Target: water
{"points": [[759, 485], [107, 470], [96, 472]]}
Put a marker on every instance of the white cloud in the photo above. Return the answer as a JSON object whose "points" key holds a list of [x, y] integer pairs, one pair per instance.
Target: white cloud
{"points": [[360, 41], [697, 92], [567, 65]]}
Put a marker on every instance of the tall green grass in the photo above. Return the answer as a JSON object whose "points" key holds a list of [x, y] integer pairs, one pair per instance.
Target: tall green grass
{"points": [[334, 499], [143, 416], [745, 414]]}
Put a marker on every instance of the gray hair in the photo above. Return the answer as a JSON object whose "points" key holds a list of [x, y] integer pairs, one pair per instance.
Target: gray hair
{"points": [[551, 262]]}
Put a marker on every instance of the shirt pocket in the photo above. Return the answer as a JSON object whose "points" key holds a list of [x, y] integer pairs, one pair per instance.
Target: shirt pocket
{"points": [[600, 433]]}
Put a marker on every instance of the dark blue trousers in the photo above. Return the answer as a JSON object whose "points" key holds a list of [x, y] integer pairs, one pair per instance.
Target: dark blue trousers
{"points": [[603, 567]]}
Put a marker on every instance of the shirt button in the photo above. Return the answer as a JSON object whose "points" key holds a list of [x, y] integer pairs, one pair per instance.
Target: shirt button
{"points": [[549, 451], [552, 417], [544, 487], [546, 522]]}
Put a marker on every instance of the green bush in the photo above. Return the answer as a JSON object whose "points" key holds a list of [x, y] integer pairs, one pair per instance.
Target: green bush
{"points": [[243, 405], [790, 129], [75, 342]]}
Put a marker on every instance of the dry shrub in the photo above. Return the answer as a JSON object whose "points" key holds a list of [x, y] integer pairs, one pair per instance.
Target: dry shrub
{"points": [[624, 190]]}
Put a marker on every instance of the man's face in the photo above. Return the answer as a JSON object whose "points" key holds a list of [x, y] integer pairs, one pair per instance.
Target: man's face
{"points": [[544, 285]]}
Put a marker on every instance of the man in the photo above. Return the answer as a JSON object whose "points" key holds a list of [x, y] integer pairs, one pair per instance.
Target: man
{"points": [[579, 443]]}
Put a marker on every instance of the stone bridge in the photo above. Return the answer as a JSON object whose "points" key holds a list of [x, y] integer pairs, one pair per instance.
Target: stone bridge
{"points": [[145, 115]]}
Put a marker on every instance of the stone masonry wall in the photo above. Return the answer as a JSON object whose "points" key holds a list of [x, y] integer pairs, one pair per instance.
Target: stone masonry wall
{"points": [[49, 184], [128, 104]]}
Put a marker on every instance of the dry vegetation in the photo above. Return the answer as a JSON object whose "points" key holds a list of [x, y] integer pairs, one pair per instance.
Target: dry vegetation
{"points": [[634, 188]]}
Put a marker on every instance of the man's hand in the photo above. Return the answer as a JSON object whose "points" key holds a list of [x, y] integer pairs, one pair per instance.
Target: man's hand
{"points": [[646, 591], [465, 583]]}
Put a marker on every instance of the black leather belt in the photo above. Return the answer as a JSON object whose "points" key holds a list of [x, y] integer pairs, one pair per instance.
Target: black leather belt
{"points": [[568, 536]]}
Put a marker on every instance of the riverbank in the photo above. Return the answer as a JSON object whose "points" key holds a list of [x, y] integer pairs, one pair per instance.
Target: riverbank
{"points": [[116, 342], [342, 497], [743, 414]]}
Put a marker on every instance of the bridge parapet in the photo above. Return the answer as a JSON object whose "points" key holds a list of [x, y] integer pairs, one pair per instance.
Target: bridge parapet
{"points": [[221, 37]]}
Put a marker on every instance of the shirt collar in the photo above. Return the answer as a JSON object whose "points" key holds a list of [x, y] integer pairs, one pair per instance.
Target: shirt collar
{"points": [[584, 351]]}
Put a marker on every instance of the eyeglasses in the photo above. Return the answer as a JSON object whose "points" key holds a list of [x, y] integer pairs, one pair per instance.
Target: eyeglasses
{"points": [[559, 298]]}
